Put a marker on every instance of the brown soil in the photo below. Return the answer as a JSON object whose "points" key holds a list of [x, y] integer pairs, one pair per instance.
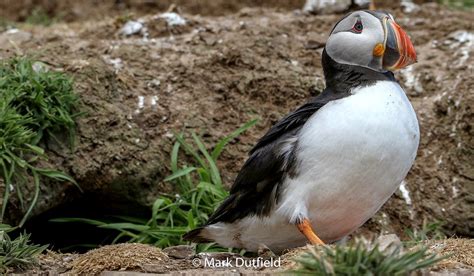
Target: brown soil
{"points": [[120, 258], [460, 252], [216, 73], [71, 10]]}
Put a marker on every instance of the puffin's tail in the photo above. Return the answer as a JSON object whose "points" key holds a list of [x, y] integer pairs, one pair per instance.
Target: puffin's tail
{"points": [[196, 235]]}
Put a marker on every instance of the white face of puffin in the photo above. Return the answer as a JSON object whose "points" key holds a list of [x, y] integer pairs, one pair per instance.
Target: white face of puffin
{"points": [[370, 39]]}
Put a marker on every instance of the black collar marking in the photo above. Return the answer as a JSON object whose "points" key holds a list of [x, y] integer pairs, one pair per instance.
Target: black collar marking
{"points": [[341, 78]]}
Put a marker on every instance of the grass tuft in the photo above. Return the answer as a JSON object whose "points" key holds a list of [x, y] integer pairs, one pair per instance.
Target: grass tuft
{"points": [[199, 190], [428, 231], [39, 16], [458, 4], [45, 97], [360, 258], [17, 253], [35, 104]]}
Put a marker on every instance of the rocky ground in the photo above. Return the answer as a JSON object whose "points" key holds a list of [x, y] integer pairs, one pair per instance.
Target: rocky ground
{"points": [[144, 75], [133, 259]]}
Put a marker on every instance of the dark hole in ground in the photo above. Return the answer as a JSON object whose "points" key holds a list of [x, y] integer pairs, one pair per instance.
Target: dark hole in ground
{"points": [[80, 237]]}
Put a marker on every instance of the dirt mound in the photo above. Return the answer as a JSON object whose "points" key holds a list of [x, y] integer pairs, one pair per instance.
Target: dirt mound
{"points": [[128, 256], [458, 251]]}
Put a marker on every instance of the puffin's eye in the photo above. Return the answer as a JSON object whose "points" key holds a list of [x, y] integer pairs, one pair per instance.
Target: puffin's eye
{"points": [[357, 28]]}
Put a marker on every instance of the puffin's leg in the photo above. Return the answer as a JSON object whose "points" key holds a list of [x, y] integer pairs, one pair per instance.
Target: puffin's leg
{"points": [[305, 228]]}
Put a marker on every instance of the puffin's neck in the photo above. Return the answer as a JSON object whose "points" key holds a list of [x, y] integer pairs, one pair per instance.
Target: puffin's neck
{"points": [[341, 78]]}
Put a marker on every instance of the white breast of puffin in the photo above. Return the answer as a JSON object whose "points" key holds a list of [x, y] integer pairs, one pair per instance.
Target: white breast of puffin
{"points": [[352, 155]]}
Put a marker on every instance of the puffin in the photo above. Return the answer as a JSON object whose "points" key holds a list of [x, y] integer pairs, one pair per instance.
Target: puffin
{"points": [[327, 167]]}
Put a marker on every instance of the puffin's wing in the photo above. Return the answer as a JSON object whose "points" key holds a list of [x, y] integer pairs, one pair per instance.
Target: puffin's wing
{"points": [[256, 187], [290, 122]]}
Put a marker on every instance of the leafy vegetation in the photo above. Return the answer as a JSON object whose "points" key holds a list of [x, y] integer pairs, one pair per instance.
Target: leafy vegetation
{"points": [[5, 24], [361, 259], [460, 4], [17, 253], [428, 231], [199, 190], [40, 17], [34, 105]]}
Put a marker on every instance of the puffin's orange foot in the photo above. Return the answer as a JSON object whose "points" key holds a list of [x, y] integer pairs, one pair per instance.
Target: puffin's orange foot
{"points": [[306, 229]]}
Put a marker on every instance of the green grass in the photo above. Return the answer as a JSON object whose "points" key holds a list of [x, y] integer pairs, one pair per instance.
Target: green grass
{"points": [[459, 4], [198, 192], [18, 253], [34, 106], [365, 258], [40, 17], [428, 231], [5, 24], [47, 97], [360, 258]]}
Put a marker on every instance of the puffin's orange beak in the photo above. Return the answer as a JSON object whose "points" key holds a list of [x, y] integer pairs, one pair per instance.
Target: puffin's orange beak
{"points": [[399, 51]]}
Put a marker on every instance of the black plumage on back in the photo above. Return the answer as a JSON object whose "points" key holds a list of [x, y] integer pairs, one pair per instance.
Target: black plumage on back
{"points": [[257, 187]]}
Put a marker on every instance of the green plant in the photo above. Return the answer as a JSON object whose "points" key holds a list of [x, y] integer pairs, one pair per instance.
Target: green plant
{"points": [[199, 190], [45, 96], [5, 24], [34, 105], [459, 4], [428, 231], [39, 17], [362, 259], [17, 253]]}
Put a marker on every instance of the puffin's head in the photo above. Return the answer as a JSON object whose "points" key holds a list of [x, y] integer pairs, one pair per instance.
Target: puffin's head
{"points": [[370, 39]]}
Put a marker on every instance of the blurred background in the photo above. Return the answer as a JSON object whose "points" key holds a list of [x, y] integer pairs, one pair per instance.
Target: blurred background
{"points": [[68, 10]]}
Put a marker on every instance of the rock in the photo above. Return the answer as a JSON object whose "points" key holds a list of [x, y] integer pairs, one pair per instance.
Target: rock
{"points": [[13, 38], [39, 66], [180, 251], [389, 243], [218, 256], [326, 6], [333, 6], [131, 27], [173, 19], [123, 273], [313, 45], [408, 6]]}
